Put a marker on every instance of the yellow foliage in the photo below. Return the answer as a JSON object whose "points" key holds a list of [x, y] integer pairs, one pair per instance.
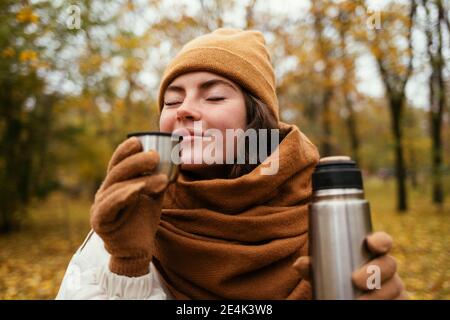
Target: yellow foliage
{"points": [[119, 104], [43, 65], [128, 42], [85, 103], [8, 52], [91, 63], [26, 14], [132, 65], [130, 6], [28, 55]]}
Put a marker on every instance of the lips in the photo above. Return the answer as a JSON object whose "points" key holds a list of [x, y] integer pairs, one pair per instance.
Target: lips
{"points": [[188, 133]]}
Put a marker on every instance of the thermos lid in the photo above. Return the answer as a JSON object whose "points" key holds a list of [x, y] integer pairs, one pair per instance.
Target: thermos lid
{"points": [[336, 172]]}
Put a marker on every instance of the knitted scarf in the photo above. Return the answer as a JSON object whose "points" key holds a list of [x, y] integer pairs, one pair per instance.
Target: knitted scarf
{"points": [[238, 238]]}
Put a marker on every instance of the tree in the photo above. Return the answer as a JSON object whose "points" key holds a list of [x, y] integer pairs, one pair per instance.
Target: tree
{"points": [[324, 51], [347, 86], [26, 113], [434, 30], [395, 67]]}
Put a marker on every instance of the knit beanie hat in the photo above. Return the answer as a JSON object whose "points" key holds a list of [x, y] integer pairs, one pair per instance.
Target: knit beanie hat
{"points": [[238, 55]]}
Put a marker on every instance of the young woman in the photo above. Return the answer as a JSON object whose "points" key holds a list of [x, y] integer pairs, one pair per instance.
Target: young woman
{"points": [[222, 231]]}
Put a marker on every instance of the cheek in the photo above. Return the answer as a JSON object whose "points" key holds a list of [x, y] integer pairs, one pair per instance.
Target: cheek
{"points": [[166, 121], [231, 117], [239, 115]]}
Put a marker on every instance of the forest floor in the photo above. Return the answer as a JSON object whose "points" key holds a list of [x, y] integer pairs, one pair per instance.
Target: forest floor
{"points": [[34, 259]]}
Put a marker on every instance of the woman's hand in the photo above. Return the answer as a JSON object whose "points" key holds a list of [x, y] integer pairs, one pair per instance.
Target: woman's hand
{"points": [[391, 287], [379, 244], [127, 208]]}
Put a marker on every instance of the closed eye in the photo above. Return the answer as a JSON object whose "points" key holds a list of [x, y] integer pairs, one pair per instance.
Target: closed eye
{"points": [[215, 98], [171, 103], [209, 99]]}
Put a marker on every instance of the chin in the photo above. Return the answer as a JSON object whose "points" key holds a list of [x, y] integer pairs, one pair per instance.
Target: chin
{"points": [[193, 167]]}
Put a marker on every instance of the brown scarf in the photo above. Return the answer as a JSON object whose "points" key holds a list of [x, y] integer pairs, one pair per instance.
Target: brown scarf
{"points": [[238, 238]]}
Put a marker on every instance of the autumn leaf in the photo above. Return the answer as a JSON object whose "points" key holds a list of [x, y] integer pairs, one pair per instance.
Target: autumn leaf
{"points": [[26, 14]]}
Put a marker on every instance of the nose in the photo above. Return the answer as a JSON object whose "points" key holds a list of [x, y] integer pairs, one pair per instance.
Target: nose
{"points": [[188, 111]]}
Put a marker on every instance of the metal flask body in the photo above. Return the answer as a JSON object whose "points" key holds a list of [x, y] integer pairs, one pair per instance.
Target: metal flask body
{"points": [[340, 220], [167, 146]]}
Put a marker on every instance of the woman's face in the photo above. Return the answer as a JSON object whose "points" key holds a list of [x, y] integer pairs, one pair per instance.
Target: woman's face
{"points": [[196, 102]]}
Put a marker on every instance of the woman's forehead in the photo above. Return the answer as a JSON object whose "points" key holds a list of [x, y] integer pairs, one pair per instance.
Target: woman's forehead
{"points": [[197, 77]]}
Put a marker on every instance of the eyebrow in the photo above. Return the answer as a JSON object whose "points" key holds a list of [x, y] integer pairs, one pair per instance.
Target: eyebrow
{"points": [[203, 86]]}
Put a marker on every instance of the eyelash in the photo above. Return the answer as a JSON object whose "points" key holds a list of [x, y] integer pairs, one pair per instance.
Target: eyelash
{"points": [[216, 99], [210, 99]]}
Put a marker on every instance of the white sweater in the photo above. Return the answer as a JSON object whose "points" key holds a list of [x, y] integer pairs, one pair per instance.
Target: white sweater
{"points": [[88, 277]]}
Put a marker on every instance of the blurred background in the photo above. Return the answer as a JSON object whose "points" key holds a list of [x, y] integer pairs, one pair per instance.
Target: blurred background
{"points": [[369, 79]]}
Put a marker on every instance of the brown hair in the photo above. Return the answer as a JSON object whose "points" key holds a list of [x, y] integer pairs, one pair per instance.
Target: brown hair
{"points": [[258, 117]]}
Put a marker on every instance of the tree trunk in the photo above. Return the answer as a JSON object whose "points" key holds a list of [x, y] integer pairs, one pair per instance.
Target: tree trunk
{"points": [[435, 114], [326, 146], [438, 194], [395, 94], [400, 167], [9, 196], [437, 102], [413, 168], [352, 131]]}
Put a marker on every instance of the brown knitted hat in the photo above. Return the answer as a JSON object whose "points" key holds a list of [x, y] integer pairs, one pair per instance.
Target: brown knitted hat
{"points": [[235, 54]]}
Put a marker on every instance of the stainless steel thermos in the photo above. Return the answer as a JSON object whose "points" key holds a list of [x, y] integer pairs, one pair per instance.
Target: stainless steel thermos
{"points": [[339, 218]]}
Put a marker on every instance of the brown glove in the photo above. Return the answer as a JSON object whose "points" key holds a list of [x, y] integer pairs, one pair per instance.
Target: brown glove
{"points": [[127, 208], [379, 243]]}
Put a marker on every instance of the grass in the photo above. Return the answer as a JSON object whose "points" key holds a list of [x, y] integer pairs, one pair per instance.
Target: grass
{"points": [[33, 261]]}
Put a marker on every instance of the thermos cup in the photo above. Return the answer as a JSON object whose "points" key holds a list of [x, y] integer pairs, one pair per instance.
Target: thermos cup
{"points": [[339, 218], [167, 145]]}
